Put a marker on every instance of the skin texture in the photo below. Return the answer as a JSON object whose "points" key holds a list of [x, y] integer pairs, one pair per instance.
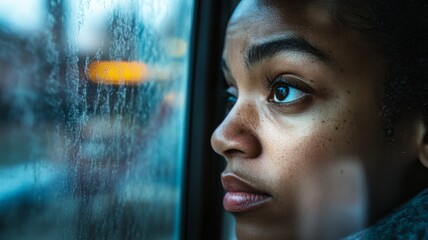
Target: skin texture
{"points": [[322, 158]]}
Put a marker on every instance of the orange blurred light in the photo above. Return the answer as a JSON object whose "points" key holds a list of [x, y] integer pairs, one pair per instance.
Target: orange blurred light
{"points": [[117, 72]]}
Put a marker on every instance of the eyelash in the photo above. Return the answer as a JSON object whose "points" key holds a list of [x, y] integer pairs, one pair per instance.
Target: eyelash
{"points": [[271, 84], [294, 87]]}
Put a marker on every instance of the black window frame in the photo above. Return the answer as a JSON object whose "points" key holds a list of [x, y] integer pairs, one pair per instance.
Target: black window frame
{"points": [[202, 211]]}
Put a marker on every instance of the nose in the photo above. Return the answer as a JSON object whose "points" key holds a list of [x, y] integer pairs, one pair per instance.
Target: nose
{"points": [[237, 137]]}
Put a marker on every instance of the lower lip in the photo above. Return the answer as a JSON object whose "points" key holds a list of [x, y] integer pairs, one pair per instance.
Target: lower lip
{"points": [[242, 201]]}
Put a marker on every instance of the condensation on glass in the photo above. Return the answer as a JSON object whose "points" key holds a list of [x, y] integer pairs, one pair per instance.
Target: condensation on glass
{"points": [[92, 118]]}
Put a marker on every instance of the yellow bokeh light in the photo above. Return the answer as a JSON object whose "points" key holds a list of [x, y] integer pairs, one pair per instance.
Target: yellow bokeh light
{"points": [[118, 72]]}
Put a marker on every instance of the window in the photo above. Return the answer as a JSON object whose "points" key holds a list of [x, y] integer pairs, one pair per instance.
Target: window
{"points": [[93, 118]]}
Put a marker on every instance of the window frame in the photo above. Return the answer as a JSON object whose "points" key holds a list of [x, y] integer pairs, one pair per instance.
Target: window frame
{"points": [[202, 210]]}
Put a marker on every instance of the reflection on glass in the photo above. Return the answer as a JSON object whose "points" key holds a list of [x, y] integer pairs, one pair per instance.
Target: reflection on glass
{"points": [[117, 72], [92, 118]]}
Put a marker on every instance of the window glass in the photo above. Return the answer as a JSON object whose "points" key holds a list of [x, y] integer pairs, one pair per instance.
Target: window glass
{"points": [[92, 118]]}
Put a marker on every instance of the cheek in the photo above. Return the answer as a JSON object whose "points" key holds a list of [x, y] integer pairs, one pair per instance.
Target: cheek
{"points": [[319, 147], [309, 147], [317, 173]]}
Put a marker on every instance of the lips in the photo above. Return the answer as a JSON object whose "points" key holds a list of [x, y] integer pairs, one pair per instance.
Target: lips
{"points": [[240, 195]]}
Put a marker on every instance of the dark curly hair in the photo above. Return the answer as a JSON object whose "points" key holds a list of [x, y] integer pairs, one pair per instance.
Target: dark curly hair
{"points": [[399, 31]]}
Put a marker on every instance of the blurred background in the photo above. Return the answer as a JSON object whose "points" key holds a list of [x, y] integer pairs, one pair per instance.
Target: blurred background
{"points": [[106, 108]]}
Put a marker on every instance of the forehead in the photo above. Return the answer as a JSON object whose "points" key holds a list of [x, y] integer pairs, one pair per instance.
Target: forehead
{"points": [[270, 16], [257, 21]]}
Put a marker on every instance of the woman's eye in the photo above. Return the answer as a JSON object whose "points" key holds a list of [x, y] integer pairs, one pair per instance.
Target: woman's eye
{"points": [[232, 94], [283, 93], [231, 100]]}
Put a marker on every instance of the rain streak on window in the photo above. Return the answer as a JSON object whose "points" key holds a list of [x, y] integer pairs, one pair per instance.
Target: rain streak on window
{"points": [[92, 118]]}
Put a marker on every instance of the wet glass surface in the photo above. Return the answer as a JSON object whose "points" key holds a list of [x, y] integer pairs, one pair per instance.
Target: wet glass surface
{"points": [[92, 118]]}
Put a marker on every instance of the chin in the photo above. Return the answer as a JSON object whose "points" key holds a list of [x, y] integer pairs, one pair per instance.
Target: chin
{"points": [[247, 230], [253, 228]]}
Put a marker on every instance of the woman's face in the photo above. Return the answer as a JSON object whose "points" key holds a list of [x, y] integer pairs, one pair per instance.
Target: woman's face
{"points": [[306, 154]]}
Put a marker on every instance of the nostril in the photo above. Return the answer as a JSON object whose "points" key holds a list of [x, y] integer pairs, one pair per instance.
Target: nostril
{"points": [[233, 153]]}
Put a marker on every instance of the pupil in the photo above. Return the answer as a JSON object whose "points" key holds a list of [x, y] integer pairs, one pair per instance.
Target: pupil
{"points": [[281, 93]]}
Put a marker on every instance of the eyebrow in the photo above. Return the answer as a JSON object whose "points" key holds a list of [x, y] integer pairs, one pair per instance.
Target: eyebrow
{"points": [[268, 49]]}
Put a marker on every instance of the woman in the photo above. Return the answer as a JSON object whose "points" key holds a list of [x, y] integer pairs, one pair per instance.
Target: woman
{"points": [[328, 132]]}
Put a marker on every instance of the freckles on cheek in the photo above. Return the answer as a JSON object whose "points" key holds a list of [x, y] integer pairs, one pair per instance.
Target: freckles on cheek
{"points": [[306, 146], [306, 155], [297, 156]]}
